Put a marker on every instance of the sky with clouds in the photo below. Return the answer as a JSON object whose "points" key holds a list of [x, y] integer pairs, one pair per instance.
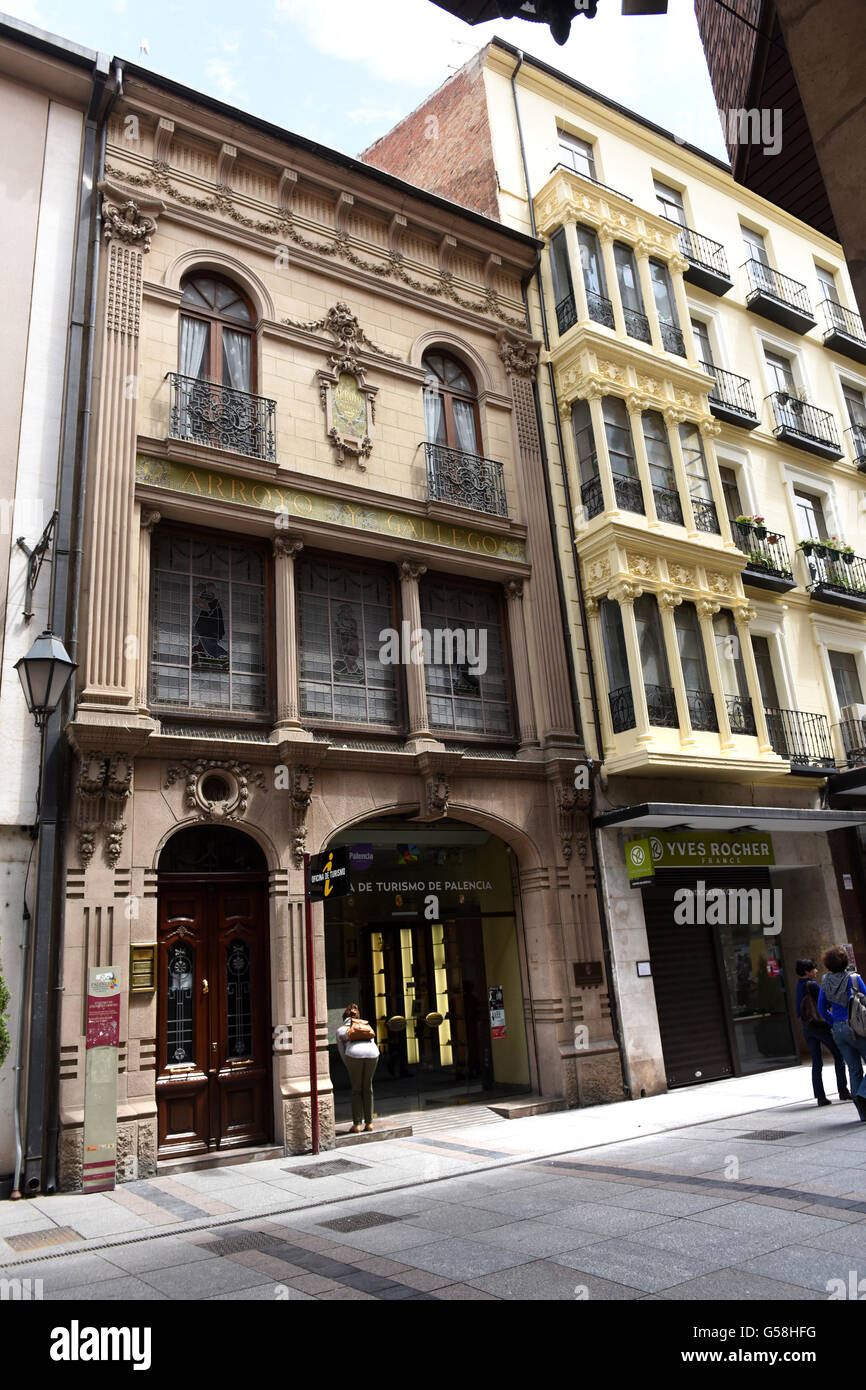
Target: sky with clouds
{"points": [[344, 71]]}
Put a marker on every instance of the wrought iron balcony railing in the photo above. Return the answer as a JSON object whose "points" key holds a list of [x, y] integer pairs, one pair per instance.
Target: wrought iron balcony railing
{"points": [[592, 497], [708, 264], [706, 516], [853, 733], [731, 397], [203, 412], [702, 710], [570, 169], [741, 715], [662, 706], [600, 309], [668, 505], [467, 480], [672, 338], [807, 426], [802, 738], [778, 297], [637, 325], [768, 563], [622, 709], [858, 445], [837, 578], [629, 493], [843, 330], [566, 314]]}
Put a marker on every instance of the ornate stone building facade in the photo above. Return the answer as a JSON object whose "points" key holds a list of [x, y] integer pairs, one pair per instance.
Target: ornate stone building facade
{"points": [[321, 609]]}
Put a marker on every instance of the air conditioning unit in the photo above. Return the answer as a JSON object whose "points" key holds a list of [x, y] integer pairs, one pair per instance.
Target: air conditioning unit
{"points": [[853, 713]]}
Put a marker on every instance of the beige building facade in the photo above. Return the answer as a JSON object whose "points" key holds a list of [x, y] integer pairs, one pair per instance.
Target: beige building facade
{"points": [[322, 609]]}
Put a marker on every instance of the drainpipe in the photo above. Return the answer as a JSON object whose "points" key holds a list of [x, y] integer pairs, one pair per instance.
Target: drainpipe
{"points": [[602, 910], [40, 1151]]}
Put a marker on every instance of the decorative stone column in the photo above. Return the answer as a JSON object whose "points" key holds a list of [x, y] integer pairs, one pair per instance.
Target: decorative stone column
{"points": [[111, 483], [596, 643], [605, 472], [286, 547], [668, 601], [420, 734], [642, 253], [625, 595], [706, 613], [677, 266], [148, 518], [636, 405], [607, 237], [520, 664], [673, 420], [743, 615]]}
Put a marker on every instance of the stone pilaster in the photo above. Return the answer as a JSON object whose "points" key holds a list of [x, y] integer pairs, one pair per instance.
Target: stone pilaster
{"points": [[286, 547], [148, 520], [420, 734], [520, 663]]}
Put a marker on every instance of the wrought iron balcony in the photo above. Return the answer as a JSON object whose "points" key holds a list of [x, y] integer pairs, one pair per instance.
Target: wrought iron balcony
{"points": [[702, 710], [741, 716], [853, 733], [629, 493], [672, 338], [466, 480], [768, 564], [662, 706], [731, 398], [566, 314], [578, 173], [706, 516], [858, 445], [203, 412], [592, 497], [836, 578], [600, 309], [778, 298], [637, 325], [805, 425], [804, 739], [708, 264], [843, 330], [668, 505], [621, 709]]}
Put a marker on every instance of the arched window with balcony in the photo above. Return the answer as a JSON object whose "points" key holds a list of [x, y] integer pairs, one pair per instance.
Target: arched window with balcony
{"points": [[456, 472], [212, 397]]}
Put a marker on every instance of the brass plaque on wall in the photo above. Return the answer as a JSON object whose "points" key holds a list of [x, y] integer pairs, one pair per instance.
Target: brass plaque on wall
{"points": [[142, 967]]}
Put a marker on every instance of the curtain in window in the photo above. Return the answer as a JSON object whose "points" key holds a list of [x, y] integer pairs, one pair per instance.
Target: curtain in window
{"points": [[237, 359], [193, 343], [434, 416], [464, 424]]}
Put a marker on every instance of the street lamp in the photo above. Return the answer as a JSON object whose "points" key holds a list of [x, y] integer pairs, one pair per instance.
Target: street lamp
{"points": [[44, 674]]}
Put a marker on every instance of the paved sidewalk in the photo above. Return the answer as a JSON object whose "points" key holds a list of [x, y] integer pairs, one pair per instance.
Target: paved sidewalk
{"points": [[33, 1228]]}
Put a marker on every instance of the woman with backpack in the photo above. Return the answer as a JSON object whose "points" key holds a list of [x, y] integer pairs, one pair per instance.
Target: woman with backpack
{"points": [[840, 1006], [356, 1044], [817, 1033]]}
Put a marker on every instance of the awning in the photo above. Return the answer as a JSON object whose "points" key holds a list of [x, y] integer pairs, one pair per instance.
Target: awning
{"points": [[666, 815], [850, 783]]}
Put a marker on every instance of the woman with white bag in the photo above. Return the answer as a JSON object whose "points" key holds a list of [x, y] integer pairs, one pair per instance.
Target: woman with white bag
{"points": [[356, 1044]]}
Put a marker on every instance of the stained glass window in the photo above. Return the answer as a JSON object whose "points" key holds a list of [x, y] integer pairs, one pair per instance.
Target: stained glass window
{"points": [[208, 624], [239, 1018], [179, 1005], [342, 611], [467, 683]]}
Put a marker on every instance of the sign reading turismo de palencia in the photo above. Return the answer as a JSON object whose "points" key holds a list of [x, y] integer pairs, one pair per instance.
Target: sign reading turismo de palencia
{"points": [[329, 874]]}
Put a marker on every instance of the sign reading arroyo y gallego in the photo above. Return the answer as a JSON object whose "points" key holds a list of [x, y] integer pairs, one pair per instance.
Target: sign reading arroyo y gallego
{"points": [[690, 849]]}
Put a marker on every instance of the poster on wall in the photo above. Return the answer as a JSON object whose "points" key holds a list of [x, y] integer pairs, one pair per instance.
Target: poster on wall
{"points": [[100, 1080], [496, 1005]]}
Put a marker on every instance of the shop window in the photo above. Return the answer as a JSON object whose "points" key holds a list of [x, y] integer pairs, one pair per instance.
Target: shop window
{"points": [[209, 616], [343, 608], [694, 666], [450, 405], [465, 663]]}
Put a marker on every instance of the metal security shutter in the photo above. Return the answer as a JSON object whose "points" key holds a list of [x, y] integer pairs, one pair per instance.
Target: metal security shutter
{"points": [[692, 1010]]}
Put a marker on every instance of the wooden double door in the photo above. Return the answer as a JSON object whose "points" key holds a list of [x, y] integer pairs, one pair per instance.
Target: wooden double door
{"points": [[213, 1086]]}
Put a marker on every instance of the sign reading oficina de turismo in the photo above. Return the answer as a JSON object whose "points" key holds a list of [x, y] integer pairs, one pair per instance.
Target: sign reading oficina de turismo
{"points": [[329, 874]]}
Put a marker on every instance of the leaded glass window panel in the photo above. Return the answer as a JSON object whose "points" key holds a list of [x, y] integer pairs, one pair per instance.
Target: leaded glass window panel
{"points": [[180, 1004], [342, 610], [239, 1012], [208, 609], [467, 681]]}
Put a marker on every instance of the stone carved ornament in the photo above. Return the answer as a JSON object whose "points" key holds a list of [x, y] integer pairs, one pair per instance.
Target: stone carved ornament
{"points": [[300, 797], [347, 398], [236, 777], [127, 223], [102, 791], [570, 800], [519, 358]]}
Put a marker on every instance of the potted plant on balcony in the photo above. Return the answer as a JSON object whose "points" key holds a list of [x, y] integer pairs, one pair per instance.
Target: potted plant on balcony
{"points": [[772, 538], [847, 553], [743, 524], [821, 550], [760, 528], [807, 546], [833, 546], [757, 561]]}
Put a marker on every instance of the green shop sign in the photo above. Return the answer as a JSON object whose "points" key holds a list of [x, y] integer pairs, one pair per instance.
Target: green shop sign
{"points": [[208, 484], [690, 849]]}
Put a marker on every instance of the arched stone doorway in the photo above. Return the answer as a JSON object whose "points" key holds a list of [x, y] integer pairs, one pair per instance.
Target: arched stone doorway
{"points": [[213, 1083], [427, 945]]}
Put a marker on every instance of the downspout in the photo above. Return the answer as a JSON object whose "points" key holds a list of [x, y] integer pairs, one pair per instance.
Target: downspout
{"points": [[40, 1157], [602, 911]]}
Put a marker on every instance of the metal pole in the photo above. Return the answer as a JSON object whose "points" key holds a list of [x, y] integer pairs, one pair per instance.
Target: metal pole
{"points": [[311, 1010]]}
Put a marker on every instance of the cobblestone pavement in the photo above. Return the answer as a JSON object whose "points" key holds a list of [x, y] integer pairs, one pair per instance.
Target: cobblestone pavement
{"points": [[763, 1204]]}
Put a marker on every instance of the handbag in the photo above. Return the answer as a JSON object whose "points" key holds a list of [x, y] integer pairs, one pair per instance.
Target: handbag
{"points": [[359, 1030], [857, 1010], [809, 1015]]}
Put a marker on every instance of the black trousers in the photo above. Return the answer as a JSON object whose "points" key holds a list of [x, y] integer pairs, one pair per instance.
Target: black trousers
{"points": [[815, 1043]]}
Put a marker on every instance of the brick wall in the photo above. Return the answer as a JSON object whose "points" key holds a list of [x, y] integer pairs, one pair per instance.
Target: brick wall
{"points": [[444, 145], [729, 46]]}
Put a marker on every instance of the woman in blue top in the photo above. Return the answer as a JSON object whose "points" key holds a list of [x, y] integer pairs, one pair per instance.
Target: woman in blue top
{"points": [[836, 987], [817, 1034]]}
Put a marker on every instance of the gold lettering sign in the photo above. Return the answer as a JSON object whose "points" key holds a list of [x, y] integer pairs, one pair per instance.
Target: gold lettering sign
{"points": [[350, 407]]}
